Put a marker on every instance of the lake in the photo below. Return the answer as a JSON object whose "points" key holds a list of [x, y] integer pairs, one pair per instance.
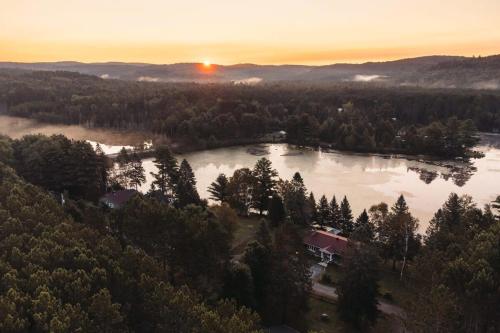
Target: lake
{"points": [[365, 179]]}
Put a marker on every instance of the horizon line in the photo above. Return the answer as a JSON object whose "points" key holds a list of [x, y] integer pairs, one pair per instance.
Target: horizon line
{"points": [[247, 63]]}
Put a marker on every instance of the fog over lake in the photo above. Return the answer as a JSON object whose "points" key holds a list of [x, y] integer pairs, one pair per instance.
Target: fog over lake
{"points": [[365, 179]]}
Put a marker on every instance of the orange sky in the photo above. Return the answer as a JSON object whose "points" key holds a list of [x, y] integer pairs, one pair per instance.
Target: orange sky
{"points": [[237, 31]]}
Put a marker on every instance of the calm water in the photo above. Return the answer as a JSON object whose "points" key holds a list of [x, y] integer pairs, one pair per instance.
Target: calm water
{"points": [[365, 179]]}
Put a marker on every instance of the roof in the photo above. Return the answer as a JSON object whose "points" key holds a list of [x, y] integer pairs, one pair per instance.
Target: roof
{"points": [[326, 241], [118, 198]]}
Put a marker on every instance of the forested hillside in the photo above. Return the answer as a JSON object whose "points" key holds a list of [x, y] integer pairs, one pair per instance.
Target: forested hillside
{"points": [[63, 276], [427, 71], [352, 117], [166, 262]]}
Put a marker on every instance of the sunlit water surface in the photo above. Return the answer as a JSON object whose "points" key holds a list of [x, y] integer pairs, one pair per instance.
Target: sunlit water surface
{"points": [[365, 179]]}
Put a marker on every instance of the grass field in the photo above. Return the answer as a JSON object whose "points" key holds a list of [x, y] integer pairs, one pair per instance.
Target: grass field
{"points": [[245, 232], [335, 325]]}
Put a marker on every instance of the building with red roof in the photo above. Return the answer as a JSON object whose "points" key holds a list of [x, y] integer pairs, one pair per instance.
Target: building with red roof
{"points": [[325, 245]]}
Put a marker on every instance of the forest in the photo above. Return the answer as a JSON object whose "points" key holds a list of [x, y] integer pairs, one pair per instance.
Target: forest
{"points": [[164, 262], [367, 118]]}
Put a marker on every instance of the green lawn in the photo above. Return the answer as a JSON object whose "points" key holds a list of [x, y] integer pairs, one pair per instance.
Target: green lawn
{"points": [[245, 232], [318, 307], [335, 325]]}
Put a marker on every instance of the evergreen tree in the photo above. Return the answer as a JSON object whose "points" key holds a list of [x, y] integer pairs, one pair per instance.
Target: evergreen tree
{"points": [[290, 281], [324, 212], [496, 206], [346, 218], [165, 178], [136, 174], [219, 189], [103, 166], [363, 228], [240, 189], [276, 210], [122, 158], [186, 192], [295, 200], [238, 285], [259, 259], [358, 288], [265, 182], [398, 234], [313, 209], [335, 214]]}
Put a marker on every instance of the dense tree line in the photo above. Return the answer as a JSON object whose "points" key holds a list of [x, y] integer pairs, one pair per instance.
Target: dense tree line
{"points": [[163, 262], [458, 271], [62, 276], [160, 263], [365, 118], [60, 165]]}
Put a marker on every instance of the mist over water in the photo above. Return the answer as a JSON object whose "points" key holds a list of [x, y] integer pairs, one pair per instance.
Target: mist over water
{"points": [[110, 141]]}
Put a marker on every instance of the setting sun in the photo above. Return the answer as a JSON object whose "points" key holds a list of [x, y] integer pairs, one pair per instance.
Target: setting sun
{"points": [[207, 63]]}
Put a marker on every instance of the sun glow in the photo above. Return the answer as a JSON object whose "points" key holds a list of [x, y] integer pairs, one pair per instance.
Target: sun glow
{"points": [[207, 63]]}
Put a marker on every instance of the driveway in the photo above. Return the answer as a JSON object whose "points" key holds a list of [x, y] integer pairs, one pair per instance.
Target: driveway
{"points": [[316, 271]]}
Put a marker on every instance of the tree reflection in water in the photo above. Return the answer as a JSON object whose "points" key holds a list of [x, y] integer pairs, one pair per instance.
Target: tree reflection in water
{"points": [[459, 174]]}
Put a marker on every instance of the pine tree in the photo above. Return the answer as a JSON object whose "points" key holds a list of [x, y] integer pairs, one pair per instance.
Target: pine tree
{"points": [[165, 179], [313, 210], [296, 200], [265, 182], [358, 288], [102, 162], [276, 210], [324, 213], [240, 189], [186, 192], [335, 215], [363, 228], [122, 157], [399, 233], [346, 219], [124, 166], [219, 189], [135, 173]]}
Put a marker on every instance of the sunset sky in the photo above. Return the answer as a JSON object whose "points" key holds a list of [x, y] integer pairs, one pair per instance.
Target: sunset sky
{"points": [[238, 31]]}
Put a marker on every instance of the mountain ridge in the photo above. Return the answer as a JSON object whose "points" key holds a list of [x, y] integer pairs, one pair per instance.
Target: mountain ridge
{"points": [[431, 71]]}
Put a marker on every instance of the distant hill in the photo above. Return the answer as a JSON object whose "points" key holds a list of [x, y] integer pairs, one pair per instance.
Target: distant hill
{"points": [[429, 71]]}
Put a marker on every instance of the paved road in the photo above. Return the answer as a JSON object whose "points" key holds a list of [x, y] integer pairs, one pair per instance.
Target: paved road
{"points": [[330, 292]]}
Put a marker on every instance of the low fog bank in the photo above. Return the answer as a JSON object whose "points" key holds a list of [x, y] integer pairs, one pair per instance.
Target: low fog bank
{"points": [[16, 128]]}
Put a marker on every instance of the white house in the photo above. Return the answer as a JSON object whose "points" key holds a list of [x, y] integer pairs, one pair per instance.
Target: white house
{"points": [[325, 245]]}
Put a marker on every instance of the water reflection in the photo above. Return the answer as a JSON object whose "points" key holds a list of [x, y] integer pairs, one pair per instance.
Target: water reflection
{"points": [[365, 179]]}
